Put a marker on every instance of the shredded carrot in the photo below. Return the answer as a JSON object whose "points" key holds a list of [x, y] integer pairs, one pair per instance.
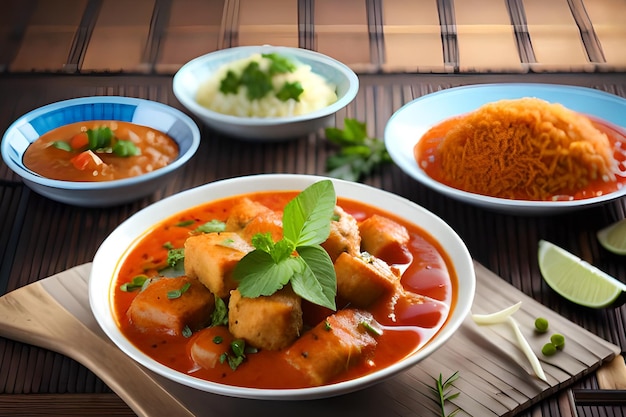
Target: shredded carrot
{"points": [[525, 148]]}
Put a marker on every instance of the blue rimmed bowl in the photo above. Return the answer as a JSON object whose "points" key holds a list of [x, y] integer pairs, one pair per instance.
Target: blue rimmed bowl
{"points": [[35, 123]]}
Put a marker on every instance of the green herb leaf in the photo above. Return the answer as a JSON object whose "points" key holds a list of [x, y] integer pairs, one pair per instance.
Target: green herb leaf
{"points": [[176, 258], [230, 83], [99, 138], [219, 317], [64, 146], [214, 226], [185, 223], [306, 224], [279, 64], [359, 154], [290, 91], [257, 82], [259, 274], [306, 218], [174, 294], [442, 390], [125, 148], [317, 282], [136, 283]]}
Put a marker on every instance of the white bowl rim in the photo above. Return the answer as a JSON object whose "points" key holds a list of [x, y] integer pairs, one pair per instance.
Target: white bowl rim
{"points": [[28, 175], [194, 106], [278, 182]]}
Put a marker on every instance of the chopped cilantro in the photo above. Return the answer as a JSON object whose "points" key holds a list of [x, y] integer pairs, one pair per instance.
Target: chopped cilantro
{"points": [[290, 90], [176, 258]]}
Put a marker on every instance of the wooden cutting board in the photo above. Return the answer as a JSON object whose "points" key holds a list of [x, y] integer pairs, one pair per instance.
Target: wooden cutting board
{"points": [[495, 379]]}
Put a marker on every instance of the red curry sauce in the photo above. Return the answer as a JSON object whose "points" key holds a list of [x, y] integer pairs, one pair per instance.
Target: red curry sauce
{"points": [[406, 328], [426, 155], [156, 150]]}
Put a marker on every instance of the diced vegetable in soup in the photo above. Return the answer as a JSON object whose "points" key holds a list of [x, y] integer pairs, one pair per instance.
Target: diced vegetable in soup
{"points": [[100, 150], [389, 302]]}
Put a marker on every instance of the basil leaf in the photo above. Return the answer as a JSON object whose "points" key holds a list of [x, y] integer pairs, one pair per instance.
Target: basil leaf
{"points": [[317, 282], [306, 218], [259, 275]]}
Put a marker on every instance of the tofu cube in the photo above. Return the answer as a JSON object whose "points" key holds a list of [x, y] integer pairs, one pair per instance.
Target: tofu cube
{"points": [[205, 352], [332, 346], [270, 222], [152, 311], [385, 239], [242, 213], [363, 279], [267, 322], [211, 257], [344, 235]]}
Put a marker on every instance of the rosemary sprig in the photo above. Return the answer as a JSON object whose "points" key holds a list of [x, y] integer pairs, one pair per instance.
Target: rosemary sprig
{"points": [[442, 391]]}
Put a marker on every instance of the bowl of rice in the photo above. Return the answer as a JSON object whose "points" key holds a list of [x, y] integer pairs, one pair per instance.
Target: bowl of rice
{"points": [[267, 93]]}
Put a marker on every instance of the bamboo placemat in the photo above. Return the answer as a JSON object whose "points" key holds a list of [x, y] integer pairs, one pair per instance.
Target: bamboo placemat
{"points": [[423, 36]]}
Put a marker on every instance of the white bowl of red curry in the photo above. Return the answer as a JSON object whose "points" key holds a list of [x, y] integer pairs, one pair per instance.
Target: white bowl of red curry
{"points": [[434, 264], [99, 151], [191, 77]]}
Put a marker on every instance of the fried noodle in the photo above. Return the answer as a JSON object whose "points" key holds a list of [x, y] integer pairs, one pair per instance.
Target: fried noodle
{"points": [[525, 148]]}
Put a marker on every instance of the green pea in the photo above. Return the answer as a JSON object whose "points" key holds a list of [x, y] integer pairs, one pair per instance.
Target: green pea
{"points": [[558, 340], [548, 349], [541, 325]]}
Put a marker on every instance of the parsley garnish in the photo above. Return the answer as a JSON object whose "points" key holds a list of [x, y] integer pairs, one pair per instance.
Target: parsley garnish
{"points": [[442, 391], [271, 265], [358, 154], [176, 258], [279, 64], [290, 90], [258, 82]]}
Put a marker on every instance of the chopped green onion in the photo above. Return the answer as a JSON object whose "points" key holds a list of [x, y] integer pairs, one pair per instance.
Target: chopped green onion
{"points": [[174, 294], [135, 284]]}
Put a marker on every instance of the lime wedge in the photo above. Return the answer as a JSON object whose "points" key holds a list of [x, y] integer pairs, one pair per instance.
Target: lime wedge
{"points": [[613, 237], [577, 280]]}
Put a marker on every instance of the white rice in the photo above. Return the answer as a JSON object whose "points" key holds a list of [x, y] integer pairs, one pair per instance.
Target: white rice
{"points": [[317, 92]]}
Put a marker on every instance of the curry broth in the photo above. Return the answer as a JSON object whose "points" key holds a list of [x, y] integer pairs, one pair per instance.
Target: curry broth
{"points": [[426, 154], [429, 273], [156, 151]]}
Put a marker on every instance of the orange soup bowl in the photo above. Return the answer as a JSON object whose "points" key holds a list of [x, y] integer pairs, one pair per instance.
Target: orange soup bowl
{"points": [[86, 115], [431, 295]]}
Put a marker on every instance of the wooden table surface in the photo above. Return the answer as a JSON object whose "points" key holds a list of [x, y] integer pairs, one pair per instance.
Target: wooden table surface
{"points": [[40, 237], [402, 50]]}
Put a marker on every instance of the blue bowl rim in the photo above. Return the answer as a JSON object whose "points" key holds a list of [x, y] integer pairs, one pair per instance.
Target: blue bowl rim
{"points": [[28, 175], [192, 105]]}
